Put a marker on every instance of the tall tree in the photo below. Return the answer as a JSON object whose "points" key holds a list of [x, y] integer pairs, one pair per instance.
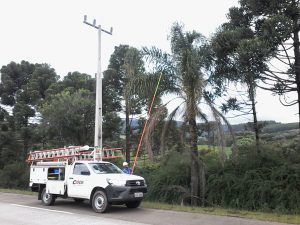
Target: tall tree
{"points": [[23, 87], [68, 118], [75, 95], [13, 77], [75, 81], [134, 66], [72, 82], [240, 57], [184, 71], [125, 63], [277, 23], [10, 149]]}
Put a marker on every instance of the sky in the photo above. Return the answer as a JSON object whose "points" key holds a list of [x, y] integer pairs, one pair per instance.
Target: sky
{"points": [[53, 32]]}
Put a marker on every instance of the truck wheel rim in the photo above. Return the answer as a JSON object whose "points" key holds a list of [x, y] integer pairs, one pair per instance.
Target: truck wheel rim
{"points": [[46, 197], [99, 202]]}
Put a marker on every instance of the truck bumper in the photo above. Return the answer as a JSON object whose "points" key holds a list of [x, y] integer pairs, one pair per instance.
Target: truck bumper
{"points": [[121, 194]]}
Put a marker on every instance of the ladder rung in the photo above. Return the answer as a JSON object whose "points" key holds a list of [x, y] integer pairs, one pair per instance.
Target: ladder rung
{"points": [[75, 152]]}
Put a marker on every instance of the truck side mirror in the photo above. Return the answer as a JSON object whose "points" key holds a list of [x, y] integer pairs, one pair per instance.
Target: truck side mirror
{"points": [[85, 172]]}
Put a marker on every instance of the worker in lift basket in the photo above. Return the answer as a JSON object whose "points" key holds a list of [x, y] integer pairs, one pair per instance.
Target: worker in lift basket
{"points": [[126, 169]]}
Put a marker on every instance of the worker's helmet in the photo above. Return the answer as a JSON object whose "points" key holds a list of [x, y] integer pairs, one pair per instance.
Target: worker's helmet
{"points": [[125, 164]]}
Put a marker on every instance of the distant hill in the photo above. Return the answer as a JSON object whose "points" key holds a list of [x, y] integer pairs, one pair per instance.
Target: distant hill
{"points": [[269, 127], [276, 127]]}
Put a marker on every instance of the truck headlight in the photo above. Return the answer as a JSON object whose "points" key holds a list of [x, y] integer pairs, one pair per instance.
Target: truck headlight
{"points": [[115, 182]]}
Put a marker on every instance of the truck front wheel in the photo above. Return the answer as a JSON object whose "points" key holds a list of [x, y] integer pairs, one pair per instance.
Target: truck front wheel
{"points": [[99, 202], [47, 198]]}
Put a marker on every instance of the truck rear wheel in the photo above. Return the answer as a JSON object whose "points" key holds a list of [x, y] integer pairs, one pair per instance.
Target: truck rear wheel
{"points": [[47, 198], [99, 202], [133, 205]]}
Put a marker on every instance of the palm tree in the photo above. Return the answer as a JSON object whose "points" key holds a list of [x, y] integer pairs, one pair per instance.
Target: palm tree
{"points": [[183, 75], [183, 69], [187, 56]]}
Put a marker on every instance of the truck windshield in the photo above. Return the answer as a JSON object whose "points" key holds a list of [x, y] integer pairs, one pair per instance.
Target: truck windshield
{"points": [[105, 168]]}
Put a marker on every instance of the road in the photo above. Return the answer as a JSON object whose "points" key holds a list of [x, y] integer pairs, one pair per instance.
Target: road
{"points": [[17, 209]]}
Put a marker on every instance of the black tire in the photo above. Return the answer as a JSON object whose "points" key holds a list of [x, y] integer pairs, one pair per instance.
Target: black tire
{"points": [[99, 202], [133, 205], [78, 200], [47, 199]]}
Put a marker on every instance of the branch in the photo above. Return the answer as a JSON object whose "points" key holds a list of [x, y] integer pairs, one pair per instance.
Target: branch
{"points": [[238, 115], [288, 64], [286, 43], [294, 102], [275, 90], [287, 55], [277, 78]]}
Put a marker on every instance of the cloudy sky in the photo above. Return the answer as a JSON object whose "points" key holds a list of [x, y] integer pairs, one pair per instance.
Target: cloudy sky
{"points": [[53, 32]]}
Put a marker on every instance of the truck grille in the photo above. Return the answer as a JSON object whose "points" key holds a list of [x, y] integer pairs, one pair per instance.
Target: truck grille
{"points": [[135, 183]]}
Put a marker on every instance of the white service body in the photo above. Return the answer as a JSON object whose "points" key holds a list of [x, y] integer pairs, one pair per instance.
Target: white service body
{"points": [[85, 180]]}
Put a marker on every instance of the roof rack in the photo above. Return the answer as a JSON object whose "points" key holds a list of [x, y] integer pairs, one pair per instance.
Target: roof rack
{"points": [[73, 153]]}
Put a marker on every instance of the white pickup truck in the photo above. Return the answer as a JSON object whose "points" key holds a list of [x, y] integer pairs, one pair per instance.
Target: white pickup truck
{"points": [[100, 182]]}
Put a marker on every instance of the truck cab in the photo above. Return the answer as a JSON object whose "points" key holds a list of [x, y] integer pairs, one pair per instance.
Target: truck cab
{"points": [[100, 182]]}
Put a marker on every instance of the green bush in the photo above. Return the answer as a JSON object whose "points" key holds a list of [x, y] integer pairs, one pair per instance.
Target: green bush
{"points": [[268, 181], [168, 181], [15, 175]]}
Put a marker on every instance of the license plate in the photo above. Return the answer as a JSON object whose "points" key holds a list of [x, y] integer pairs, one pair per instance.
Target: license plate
{"points": [[138, 194]]}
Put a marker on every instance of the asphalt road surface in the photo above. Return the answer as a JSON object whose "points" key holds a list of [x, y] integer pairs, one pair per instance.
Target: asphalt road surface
{"points": [[17, 209]]}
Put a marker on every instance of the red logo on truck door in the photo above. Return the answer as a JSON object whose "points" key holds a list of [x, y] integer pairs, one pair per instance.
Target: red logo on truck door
{"points": [[78, 182]]}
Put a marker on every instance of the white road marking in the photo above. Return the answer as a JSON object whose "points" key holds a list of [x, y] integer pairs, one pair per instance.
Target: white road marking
{"points": [[49, 210]]}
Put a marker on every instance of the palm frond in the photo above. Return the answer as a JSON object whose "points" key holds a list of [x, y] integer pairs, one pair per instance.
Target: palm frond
{"points": [[165, 128], [152, 122], [141, 84], [200, 114], [162, 62], [219, 115]]}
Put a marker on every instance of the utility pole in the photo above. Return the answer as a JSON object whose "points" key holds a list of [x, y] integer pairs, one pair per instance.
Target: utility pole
{"points": [[98, 109]]}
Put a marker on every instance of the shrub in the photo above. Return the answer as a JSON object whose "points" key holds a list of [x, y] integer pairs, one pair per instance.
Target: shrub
{"points": [[168, 181], [268, 181], [15, 175]]}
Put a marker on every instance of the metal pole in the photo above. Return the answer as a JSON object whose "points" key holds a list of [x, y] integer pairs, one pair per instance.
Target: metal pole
{"points": [[98, 109]]}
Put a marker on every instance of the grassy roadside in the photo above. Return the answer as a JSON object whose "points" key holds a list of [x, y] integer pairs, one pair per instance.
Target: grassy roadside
{"points": [[16, 191], [274, 217]]}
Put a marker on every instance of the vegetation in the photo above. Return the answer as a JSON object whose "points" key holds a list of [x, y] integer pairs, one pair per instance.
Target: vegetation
{"points": [[277, 24], [252, 166], [125, 64], [278, 217], [266, 182]]}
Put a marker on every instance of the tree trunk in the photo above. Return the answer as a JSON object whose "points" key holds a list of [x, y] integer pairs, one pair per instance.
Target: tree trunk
{"points": [[194, 162], [297, 65], [127, 131], [253, 106]]}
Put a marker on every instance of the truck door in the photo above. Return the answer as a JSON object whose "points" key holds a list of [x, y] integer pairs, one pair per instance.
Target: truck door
{"points": [[78, 181], [56, 180]]}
